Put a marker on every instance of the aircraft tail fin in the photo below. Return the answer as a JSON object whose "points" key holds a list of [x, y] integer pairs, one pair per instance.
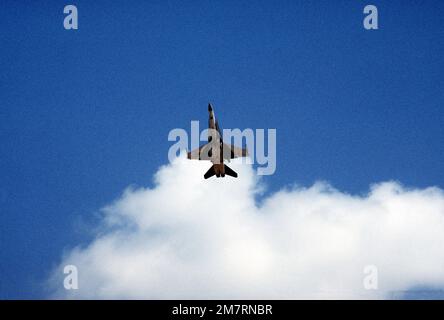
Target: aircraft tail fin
{"points": [[210, 173], [230, 171]]}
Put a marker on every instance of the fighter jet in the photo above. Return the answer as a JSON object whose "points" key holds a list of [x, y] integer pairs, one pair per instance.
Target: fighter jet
{"points": [[216, 150]]}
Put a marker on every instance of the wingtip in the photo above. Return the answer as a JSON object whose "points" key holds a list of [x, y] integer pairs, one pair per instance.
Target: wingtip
{"points": [[210, 107]]}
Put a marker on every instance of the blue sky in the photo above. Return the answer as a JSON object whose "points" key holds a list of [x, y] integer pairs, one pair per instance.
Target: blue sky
{"points": [[85, 113]]}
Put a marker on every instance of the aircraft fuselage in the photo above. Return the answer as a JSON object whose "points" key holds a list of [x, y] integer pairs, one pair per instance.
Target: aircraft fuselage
{"points": [[214, 137]]}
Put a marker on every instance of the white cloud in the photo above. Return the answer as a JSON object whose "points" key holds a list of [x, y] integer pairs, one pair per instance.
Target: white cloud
{"points": [[193, 238]]}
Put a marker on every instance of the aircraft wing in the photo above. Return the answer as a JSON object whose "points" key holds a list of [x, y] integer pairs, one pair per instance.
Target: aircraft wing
{"points": [[202, 153], [231, 152]]}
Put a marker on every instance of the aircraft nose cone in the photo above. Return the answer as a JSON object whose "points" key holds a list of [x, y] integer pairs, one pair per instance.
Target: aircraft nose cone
{"points": [[210, 108]]}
